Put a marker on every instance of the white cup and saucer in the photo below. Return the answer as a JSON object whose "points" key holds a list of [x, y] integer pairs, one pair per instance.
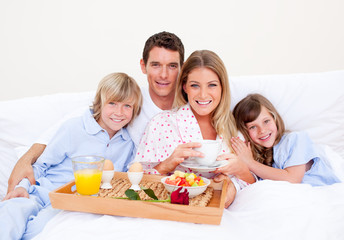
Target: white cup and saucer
{"points": [[210, 149]]}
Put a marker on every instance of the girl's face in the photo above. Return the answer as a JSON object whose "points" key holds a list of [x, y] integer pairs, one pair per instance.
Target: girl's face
{"points": [[115, 115], [203, 88], [263, 130]]}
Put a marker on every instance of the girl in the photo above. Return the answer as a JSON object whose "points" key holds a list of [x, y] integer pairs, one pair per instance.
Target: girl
{"points": [[201, 111], [100, 131], [271, 152]]}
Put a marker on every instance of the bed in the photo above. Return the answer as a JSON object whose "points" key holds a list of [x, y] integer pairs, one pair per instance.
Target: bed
{"points": [[313, 102]]}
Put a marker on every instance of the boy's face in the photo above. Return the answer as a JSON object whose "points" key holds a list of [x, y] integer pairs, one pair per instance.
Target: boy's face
{"points": [[115, 115], [162, 69]]}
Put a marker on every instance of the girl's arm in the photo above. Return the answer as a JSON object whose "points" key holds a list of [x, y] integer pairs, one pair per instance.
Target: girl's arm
{"points": [[293, 174]]}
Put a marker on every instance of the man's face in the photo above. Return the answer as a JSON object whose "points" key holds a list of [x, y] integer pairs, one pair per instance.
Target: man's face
{"points": [[162, 71]]}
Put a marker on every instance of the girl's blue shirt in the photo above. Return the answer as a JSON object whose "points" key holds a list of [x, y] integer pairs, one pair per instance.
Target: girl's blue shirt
{"points": [[296, 148]]}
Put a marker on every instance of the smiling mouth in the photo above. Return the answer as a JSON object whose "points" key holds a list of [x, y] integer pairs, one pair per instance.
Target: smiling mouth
{"points": [[162, 83], [204, 102], [116, 120], [266, 137]]}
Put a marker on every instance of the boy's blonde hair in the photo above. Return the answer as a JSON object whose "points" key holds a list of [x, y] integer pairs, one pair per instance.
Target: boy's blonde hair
{"points": [[246, 111], [222, 118], [117, 87]]}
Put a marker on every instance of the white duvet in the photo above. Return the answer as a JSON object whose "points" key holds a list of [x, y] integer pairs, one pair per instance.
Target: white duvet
{"points": [[264, 210]]}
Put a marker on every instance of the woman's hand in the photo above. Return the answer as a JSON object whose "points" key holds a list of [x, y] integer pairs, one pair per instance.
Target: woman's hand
{"points": [[231, 191], [181, 152], [18, 192]]}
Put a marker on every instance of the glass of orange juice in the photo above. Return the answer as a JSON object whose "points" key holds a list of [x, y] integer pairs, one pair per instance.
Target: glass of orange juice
{"points": [[88, 174]]}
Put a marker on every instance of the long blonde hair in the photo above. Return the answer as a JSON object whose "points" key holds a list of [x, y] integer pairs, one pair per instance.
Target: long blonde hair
{"points": [[246, 111], [221, 118], [117, 87]]}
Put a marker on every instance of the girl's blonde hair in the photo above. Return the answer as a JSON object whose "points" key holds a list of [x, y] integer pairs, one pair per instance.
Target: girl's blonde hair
{"points": [[246, 111], [222, 118], [117, 87]]}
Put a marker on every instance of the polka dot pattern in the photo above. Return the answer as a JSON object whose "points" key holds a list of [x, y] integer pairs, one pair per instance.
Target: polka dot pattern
{"points": [[164, 133]]}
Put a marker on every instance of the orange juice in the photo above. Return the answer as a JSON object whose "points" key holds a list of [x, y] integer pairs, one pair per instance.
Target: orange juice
{"points": [[87, 181]]}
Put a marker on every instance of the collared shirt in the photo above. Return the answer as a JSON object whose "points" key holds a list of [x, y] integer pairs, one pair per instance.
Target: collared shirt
{"points": [[76, 137], [296, 148], [164, 133]]}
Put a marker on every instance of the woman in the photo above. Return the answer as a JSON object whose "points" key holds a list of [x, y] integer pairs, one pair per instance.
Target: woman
{"points": [[201, 110]]}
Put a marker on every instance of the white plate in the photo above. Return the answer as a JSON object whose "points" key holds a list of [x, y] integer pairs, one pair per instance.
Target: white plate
{"points": [[195, 166]]}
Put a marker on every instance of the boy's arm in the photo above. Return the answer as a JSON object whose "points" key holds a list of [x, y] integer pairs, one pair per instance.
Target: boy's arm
{"points": [[23, 168]]}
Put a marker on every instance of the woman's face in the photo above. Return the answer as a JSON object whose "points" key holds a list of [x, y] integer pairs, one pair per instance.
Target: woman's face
{"points": [[203, 88]]}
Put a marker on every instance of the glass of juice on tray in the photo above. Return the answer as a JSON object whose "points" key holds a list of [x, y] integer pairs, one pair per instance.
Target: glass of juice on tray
{"points": [[88, 174]]}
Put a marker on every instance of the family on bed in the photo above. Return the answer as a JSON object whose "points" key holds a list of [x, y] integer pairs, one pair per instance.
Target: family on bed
{"points": [[184, 103]]}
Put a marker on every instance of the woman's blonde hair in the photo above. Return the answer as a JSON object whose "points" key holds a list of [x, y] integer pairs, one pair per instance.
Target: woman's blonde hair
{"points": [[246, 111], [117, 87], [222, 118]]}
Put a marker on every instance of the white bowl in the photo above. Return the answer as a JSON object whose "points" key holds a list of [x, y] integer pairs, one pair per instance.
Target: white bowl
{"points": [[193, 191]]}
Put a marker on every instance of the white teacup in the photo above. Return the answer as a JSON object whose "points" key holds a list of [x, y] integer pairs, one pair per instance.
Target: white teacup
{"points": [[210, 149]]}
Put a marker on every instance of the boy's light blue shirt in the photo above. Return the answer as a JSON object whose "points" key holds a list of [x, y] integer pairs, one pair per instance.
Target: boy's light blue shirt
{"points": [[296, 148], [79, 136]]}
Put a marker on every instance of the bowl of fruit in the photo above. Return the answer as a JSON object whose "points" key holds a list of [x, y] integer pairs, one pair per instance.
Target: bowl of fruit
{"points": [[190, 181]]}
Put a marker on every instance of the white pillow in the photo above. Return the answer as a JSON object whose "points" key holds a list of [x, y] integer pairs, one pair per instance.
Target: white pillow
{"points": [[23, 120], [310, 102], [8, 160]]}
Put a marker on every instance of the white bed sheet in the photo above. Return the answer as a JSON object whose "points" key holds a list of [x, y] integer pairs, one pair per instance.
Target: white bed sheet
{"points": [[264, 210]]}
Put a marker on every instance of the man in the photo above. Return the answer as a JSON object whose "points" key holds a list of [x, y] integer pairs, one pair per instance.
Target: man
{"points": [[163, 56]]}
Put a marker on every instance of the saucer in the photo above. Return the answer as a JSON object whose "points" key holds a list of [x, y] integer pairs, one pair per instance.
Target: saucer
{"points": [[200, 168]]}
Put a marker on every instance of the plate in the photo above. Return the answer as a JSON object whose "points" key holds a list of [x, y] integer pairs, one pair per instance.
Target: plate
{"points": [[195, 166]]}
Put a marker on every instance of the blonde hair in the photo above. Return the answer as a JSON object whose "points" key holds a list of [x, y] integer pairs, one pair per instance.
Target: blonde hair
{"points": [[222, 118], [246, 111], [117, 87]]}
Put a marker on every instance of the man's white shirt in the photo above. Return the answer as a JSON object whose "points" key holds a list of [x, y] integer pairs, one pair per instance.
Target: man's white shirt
{"points": [[148, 111]]}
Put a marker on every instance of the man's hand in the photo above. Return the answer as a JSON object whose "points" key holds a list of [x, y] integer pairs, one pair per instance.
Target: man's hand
{"points": [[23, 168], [18, 192]]}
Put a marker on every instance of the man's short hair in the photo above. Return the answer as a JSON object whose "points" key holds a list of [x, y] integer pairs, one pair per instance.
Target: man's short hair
{"points": [[166, 40]]}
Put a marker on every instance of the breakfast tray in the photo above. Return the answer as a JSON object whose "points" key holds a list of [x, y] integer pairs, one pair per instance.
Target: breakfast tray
{"points": [[67, 199]]}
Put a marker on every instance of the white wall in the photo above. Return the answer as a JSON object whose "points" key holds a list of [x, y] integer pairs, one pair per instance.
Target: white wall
{"points": [[69, 45]]}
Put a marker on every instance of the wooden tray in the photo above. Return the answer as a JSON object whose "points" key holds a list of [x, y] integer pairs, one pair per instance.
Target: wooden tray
{"points": [[66, 199]]}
